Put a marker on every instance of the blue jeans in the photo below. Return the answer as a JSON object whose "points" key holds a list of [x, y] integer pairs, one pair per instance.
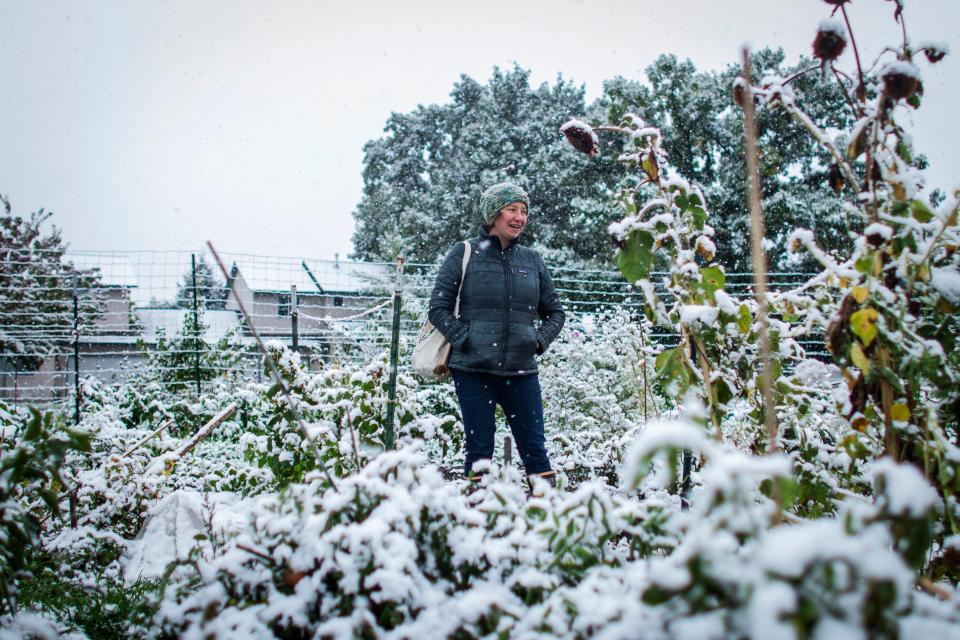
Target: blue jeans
{"points": [[479, 394]]}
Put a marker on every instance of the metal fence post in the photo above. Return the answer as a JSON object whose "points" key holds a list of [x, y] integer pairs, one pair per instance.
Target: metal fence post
{"points": [[294, 318], [196, 322], [394, 353], [76, 352], [687, 460]]}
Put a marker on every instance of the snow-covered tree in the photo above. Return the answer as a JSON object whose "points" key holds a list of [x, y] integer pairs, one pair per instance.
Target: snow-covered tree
{"points": [[703, 138], [211, 290], [423, 178], [36, 289]]}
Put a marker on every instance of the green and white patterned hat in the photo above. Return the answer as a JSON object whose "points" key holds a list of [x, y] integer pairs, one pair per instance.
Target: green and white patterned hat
{"points": [[498, 196]]}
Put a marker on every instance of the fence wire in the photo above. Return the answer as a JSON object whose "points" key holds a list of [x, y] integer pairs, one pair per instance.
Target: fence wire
{"points": [[171, 316]]}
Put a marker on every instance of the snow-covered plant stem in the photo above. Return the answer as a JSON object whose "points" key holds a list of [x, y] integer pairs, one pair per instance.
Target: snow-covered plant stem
{"points": [[666, 228], [889, 307], [759, 258]]}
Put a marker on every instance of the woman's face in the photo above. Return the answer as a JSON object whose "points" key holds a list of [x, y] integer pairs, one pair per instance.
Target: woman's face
{"points": [[510, 222]]}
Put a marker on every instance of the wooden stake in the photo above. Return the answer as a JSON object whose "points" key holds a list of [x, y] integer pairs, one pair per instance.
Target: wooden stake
{"points": [[126, 453], [159, 464]]}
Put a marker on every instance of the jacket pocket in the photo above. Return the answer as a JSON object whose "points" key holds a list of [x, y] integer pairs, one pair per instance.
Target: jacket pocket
{"points": [[465, 345]]}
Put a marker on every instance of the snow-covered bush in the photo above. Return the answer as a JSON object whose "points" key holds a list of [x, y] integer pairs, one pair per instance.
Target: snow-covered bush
{"points": [[395, 548], [345, 414], [33, 447], [597, 387], [887, 306]]}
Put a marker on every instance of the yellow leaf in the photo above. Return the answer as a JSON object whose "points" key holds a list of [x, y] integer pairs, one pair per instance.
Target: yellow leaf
{"points": [[863, 323], [860, 294], [859, 424], [844, 283], [649, 164], [900, 412], [899, 192], [860, 359]]}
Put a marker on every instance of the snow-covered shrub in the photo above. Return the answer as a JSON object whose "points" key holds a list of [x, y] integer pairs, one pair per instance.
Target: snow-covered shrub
{"points": [[395, 548], [345, 413], [886, 302], [33, 447], [594, 380]]}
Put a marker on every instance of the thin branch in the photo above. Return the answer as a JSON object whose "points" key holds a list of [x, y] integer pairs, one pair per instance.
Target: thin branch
{"points": [[798, 74], [856, 51], [857, 113], [824, 140], [141, 443], [256, 553]]}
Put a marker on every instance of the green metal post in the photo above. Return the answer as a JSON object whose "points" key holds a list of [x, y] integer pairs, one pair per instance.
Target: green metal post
{"points": [[294, 319], [76, 353], [196, 322], [394, 354]]}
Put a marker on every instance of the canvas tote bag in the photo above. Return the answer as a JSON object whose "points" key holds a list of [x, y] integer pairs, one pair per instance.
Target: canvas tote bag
{"points": [[432, 351]]}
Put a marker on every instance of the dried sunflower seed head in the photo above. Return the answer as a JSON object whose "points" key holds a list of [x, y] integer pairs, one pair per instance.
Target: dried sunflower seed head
{"points": [[900, 79], [831, 40], [581, 136]]}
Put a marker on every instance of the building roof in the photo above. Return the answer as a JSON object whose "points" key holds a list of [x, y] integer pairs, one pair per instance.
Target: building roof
{"points": [[311, 275], [219, 322]]}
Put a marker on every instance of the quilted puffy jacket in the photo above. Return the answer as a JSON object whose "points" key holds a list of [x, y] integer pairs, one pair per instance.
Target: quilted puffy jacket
{"points": [[509, 308]]}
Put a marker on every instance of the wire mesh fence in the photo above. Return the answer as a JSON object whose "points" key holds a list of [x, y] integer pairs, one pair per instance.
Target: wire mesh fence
{"points": [[170, 314]]}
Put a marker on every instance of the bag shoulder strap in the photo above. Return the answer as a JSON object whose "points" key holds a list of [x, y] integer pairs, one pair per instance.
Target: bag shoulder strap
{"points": [[463, 275]]}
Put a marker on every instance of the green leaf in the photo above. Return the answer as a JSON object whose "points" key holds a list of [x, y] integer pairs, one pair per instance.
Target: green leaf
{"points": [[712, 278], [636, 256], [865, 264], [904, 152], [699, 217], [51, 499], [34, 425], [921, 212], [890, 378], [722, 389], [745, 320], [671, 369]]}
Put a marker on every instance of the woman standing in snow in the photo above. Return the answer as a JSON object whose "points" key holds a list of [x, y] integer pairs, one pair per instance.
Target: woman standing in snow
{"points": [[509, 313]]}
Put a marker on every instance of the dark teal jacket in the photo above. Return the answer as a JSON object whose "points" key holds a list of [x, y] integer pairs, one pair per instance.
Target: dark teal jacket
{"points": [[509, 308]]}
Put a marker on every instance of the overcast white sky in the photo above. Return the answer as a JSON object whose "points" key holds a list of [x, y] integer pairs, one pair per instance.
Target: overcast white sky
{"points": [[159, 125]]}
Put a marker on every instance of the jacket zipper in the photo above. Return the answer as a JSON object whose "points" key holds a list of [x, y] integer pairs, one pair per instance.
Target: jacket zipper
{"points": [[506, 308]]}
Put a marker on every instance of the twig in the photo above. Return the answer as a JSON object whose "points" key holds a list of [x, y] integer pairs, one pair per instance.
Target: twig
{"points": [[254, 552], [140, 444], [759, 258], [158, 464], [857, 113], [927, 585], [272, 366], [856, 51], [207, 429], [797, 74], [821, 137]]}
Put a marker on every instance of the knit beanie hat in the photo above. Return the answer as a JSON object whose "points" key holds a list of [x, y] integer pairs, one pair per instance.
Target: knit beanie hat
{"points": [[498, 196]]}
